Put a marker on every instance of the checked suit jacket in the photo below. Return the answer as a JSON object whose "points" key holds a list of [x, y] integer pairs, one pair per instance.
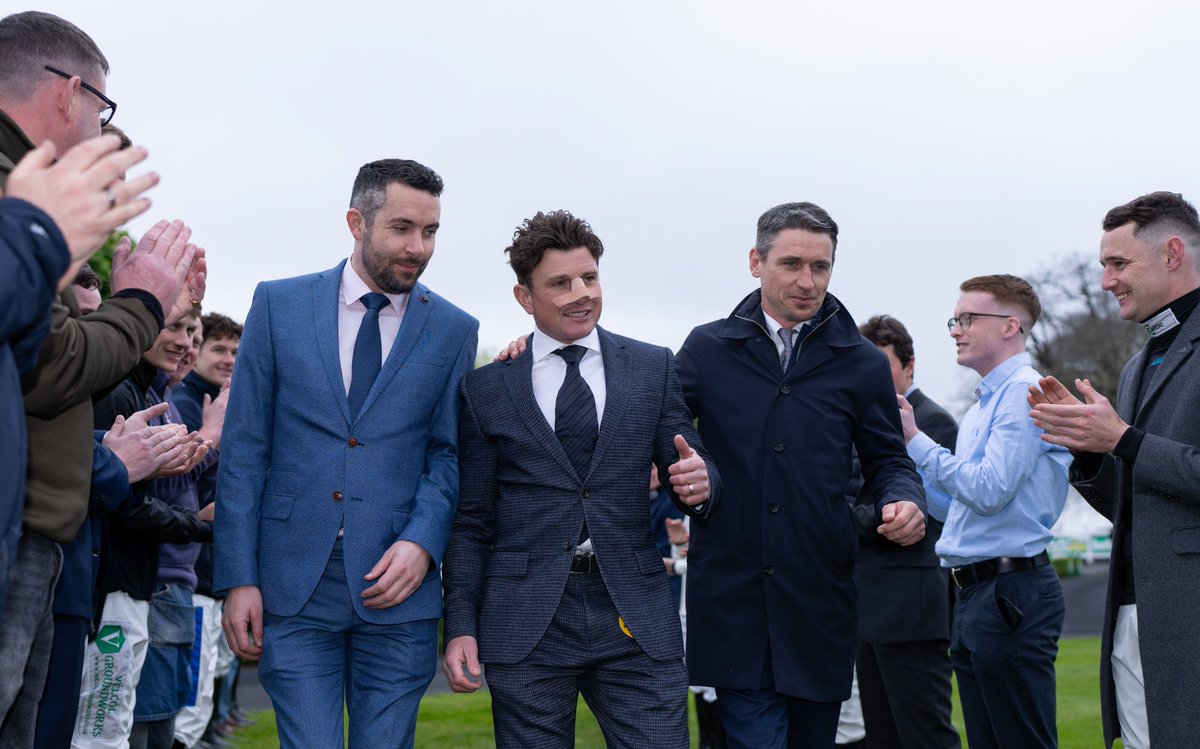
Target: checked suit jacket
{"points": [[521, 503]]}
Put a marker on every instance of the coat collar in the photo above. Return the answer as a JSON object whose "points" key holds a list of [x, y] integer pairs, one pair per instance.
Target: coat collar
{"points": [[14, 144], [1182, 349], [834, 328]]}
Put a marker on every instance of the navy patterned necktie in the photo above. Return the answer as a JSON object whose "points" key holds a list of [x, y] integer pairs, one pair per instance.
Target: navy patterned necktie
{"points": [[368, 352], [575, 422], [785, 334]]}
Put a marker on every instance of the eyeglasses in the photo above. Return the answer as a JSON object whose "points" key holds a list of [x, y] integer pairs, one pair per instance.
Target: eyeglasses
{"points": [[965, 319], [107, 113]]}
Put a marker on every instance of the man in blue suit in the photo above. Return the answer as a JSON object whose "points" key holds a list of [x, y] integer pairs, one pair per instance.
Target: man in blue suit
{"points": [[339, 473], [552, 577]]}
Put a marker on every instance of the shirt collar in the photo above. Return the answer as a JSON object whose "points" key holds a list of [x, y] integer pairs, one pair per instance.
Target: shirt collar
{"points": [[353, 288], [544, 345], [773, 326], [994, 379]]}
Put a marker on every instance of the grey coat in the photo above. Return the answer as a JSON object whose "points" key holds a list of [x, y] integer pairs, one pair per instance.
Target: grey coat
{"points": [[1166, 540]]}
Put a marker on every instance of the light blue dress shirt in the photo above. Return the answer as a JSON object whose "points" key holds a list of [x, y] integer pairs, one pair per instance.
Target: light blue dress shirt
{"points": [[1003, 488]]}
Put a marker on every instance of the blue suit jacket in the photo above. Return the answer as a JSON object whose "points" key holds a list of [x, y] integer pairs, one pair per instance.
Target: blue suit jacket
{"points": [[296, 465], [523, 504]]}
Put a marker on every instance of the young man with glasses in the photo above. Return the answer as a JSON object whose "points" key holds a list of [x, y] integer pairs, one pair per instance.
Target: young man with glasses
{"points": [[998, 494]]}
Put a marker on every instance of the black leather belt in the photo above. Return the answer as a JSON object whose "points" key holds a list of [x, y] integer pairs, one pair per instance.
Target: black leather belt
{"points": [[981, 572], [582, 564]]}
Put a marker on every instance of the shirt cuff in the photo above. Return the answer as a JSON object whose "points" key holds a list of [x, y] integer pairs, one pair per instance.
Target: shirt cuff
{"points": [[1129, 444]]}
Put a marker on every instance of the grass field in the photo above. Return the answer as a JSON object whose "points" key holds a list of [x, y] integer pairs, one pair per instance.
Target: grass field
{"points": [[457, 721]]}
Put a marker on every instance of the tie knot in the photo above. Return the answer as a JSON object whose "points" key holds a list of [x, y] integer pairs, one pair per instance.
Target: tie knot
{"points": [[571, 354], [374, 301], [786, 335]]}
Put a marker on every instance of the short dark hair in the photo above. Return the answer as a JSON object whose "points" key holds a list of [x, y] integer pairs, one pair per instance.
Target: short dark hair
{"points": [[110, 129], [1157, 212], [371, 184], [807, 216], [215, 325], [1008, 289], [86, 277], [32, 40], [885, 330], [556, 230]]}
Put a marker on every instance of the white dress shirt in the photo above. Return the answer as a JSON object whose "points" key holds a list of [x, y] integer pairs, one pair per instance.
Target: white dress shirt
{"points": [[550, 370], [350, 315]]}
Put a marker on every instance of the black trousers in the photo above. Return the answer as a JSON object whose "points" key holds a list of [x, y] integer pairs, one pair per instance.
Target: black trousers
{"points": [[905, 691]]}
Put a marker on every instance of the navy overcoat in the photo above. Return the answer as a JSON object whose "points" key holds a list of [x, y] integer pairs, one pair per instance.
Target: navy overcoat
{"points": [[772, 568]]}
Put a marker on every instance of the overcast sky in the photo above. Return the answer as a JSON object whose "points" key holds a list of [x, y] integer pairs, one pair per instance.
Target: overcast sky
{"points": [[948, 139]]}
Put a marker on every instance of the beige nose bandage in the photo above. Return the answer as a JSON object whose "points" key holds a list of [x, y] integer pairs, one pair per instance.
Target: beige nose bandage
{"points": [[579, 291]]}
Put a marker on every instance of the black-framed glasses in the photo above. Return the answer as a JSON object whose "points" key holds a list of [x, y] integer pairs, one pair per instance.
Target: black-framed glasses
{"points": [[964, 320], [108, 112]]}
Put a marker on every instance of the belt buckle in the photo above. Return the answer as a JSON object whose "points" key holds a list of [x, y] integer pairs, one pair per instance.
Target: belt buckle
{"points": [[954, 576]]}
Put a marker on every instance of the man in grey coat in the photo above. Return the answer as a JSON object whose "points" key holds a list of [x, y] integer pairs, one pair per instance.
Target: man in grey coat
{"points": [[1138, 465]]}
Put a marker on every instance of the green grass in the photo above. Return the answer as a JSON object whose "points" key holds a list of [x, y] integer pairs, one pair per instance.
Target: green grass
{"points": [[464, 721]]}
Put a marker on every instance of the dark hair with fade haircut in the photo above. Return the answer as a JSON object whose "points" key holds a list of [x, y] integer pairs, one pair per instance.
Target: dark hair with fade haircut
{"points": [[1008, 289], [86, 277], [32, 40], [371, 184], [556, 230], [885, 330], [806, 216], [1156, 214], [214, 325]]}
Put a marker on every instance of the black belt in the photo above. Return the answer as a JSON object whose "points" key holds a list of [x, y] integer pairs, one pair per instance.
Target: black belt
{"points": [[981, 572], [581, 564]]}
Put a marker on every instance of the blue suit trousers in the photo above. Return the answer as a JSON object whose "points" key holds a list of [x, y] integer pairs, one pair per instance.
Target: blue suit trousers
{"points": [[327, 653]]}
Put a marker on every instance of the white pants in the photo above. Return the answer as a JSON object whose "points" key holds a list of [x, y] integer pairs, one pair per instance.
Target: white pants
{"points": [[1127, 680], [112, 666], [193, 718], [851, 726]]}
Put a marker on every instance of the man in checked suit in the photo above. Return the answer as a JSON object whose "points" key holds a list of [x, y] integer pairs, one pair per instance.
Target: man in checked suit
{"points": [[552, 578], [1138, 464], [339, 474]]}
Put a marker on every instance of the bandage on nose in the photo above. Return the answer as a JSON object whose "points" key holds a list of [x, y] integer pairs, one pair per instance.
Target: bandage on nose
{"points": [[579, 292]]}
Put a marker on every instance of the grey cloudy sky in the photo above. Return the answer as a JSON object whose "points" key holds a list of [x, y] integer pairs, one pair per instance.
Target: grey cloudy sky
{"points": [[948, 139]]}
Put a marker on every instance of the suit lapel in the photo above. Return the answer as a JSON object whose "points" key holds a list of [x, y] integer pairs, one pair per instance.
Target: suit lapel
{"points": [[325, 291], [518, 380], [616, 394], [916, 399], [412, 328], [1179, 352]]}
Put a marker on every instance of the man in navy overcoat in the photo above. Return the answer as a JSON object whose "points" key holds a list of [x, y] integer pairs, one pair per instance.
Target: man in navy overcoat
{"points": [[783, 389]]}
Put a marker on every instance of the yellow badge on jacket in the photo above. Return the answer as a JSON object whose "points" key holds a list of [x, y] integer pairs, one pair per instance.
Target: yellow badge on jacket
{"points": [[621, 624]]}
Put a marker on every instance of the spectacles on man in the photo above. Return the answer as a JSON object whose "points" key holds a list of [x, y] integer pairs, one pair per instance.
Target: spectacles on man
{"points": [[964, 320], [109, 110]]}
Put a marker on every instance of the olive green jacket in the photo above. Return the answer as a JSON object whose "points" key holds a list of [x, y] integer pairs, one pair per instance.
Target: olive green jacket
{"points": [[81, 356]]}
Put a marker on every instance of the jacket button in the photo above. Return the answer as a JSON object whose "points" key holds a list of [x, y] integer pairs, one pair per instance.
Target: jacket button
{"points": [[773, 507], [785, 389], [567, 546], [337, 496], [769, 569], [353, 442], [585, 493], [778, 447]]}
